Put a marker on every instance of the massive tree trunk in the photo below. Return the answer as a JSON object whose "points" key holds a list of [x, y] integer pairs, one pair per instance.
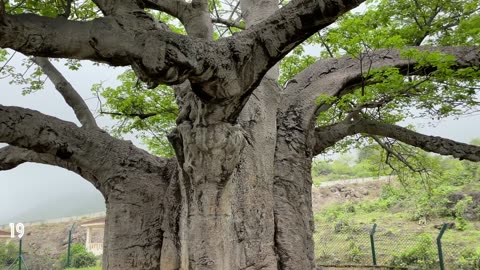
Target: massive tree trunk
{"points": [[292, 188], [226, 171], [238, 193], [136, 205]]}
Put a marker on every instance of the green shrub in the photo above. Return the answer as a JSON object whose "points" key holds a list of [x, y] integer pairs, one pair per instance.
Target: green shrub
{"points": [[460, 209], [79, 257], [422, 254], [354, 252], [469, 260], [8, 253], [84, 260]]}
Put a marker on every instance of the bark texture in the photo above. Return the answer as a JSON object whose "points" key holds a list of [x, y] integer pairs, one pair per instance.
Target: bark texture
{"points": [[225, 180], [238, 193], [135, 201], [328, 136]]}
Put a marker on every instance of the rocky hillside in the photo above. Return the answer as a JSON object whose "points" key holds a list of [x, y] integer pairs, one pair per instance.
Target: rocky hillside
{"points": [[44, 243], [345, 191]]}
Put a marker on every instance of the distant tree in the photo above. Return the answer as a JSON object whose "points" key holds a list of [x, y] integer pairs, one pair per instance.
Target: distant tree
{"points": [[322, 167], [475, 141]]}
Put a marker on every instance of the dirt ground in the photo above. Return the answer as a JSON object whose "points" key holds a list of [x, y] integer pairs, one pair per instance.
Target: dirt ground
{"points": [[354, 268], [325, 196]]}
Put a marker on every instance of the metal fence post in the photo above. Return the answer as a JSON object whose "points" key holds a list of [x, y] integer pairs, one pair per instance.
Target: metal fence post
{"points": [[69, 244], [372, 243], [439, 245], [20, 258]]}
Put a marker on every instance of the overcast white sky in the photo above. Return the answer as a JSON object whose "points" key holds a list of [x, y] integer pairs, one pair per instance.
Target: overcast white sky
{"points": [[30, 185]]}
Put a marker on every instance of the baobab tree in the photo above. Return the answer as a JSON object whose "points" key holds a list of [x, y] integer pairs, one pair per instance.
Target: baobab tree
{"points": [[237, 193]]}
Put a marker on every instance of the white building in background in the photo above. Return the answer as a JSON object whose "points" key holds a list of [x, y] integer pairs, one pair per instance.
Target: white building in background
{"points": [[94, 240]]}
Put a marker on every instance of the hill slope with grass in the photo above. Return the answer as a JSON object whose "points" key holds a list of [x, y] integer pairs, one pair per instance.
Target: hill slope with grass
{"points": [[408, 211]]}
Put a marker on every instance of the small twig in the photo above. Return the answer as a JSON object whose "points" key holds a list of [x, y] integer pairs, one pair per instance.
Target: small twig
{"points": [[9, 59], [25, 72], [139, 115], [390, 151], [228, 23], [142, 116], [324, 43], [17, 5], [234, 10]]}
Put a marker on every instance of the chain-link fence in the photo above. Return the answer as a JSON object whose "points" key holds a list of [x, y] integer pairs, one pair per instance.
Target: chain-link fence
{"points": [[342, 244]]}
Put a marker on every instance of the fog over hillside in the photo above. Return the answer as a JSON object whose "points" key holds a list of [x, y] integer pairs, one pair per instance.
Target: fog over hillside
{"points": [[34, 195], [33, 192]]}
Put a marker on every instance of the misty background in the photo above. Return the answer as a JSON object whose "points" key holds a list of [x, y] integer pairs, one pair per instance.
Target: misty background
{"points": [[33, 192]]}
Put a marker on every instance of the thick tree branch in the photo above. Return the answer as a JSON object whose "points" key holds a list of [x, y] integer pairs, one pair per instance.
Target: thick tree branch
{"points": [[52, 37], [196, 20], [228, 23], [335, 77], [56, 142], [73, 99], [91, 151], [130, 37], [11, 157], [295, 22], [35, 131], [327, 136], [218, 71], [114, 7], [230, 67], [156, 55], [195, 16], [346, 72], [434, 144], [175, 8], [277, 35]]}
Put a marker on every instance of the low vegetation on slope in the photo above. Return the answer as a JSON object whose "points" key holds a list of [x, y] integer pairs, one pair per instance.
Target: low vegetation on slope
{"points": [[409, 213]]}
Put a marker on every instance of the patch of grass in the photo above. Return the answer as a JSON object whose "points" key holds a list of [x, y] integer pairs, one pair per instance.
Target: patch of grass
{"points": [[342, 233], [86, 268]]}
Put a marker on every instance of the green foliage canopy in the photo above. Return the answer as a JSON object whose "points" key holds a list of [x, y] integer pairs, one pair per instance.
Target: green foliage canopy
{"points": [[435, 93]]}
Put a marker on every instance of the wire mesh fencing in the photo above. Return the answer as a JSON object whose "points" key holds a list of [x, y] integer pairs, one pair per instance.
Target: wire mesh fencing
{"points": [[342, 244]]}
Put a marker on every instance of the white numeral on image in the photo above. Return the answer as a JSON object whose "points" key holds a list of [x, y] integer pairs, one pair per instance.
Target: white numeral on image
{"points": [[19, 229]]}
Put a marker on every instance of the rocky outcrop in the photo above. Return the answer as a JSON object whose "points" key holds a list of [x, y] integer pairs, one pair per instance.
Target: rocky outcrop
{"points": [[472, 212]]}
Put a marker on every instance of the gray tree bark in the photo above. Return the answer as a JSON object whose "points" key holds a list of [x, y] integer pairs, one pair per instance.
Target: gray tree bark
{"points": [[238, 193]]}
